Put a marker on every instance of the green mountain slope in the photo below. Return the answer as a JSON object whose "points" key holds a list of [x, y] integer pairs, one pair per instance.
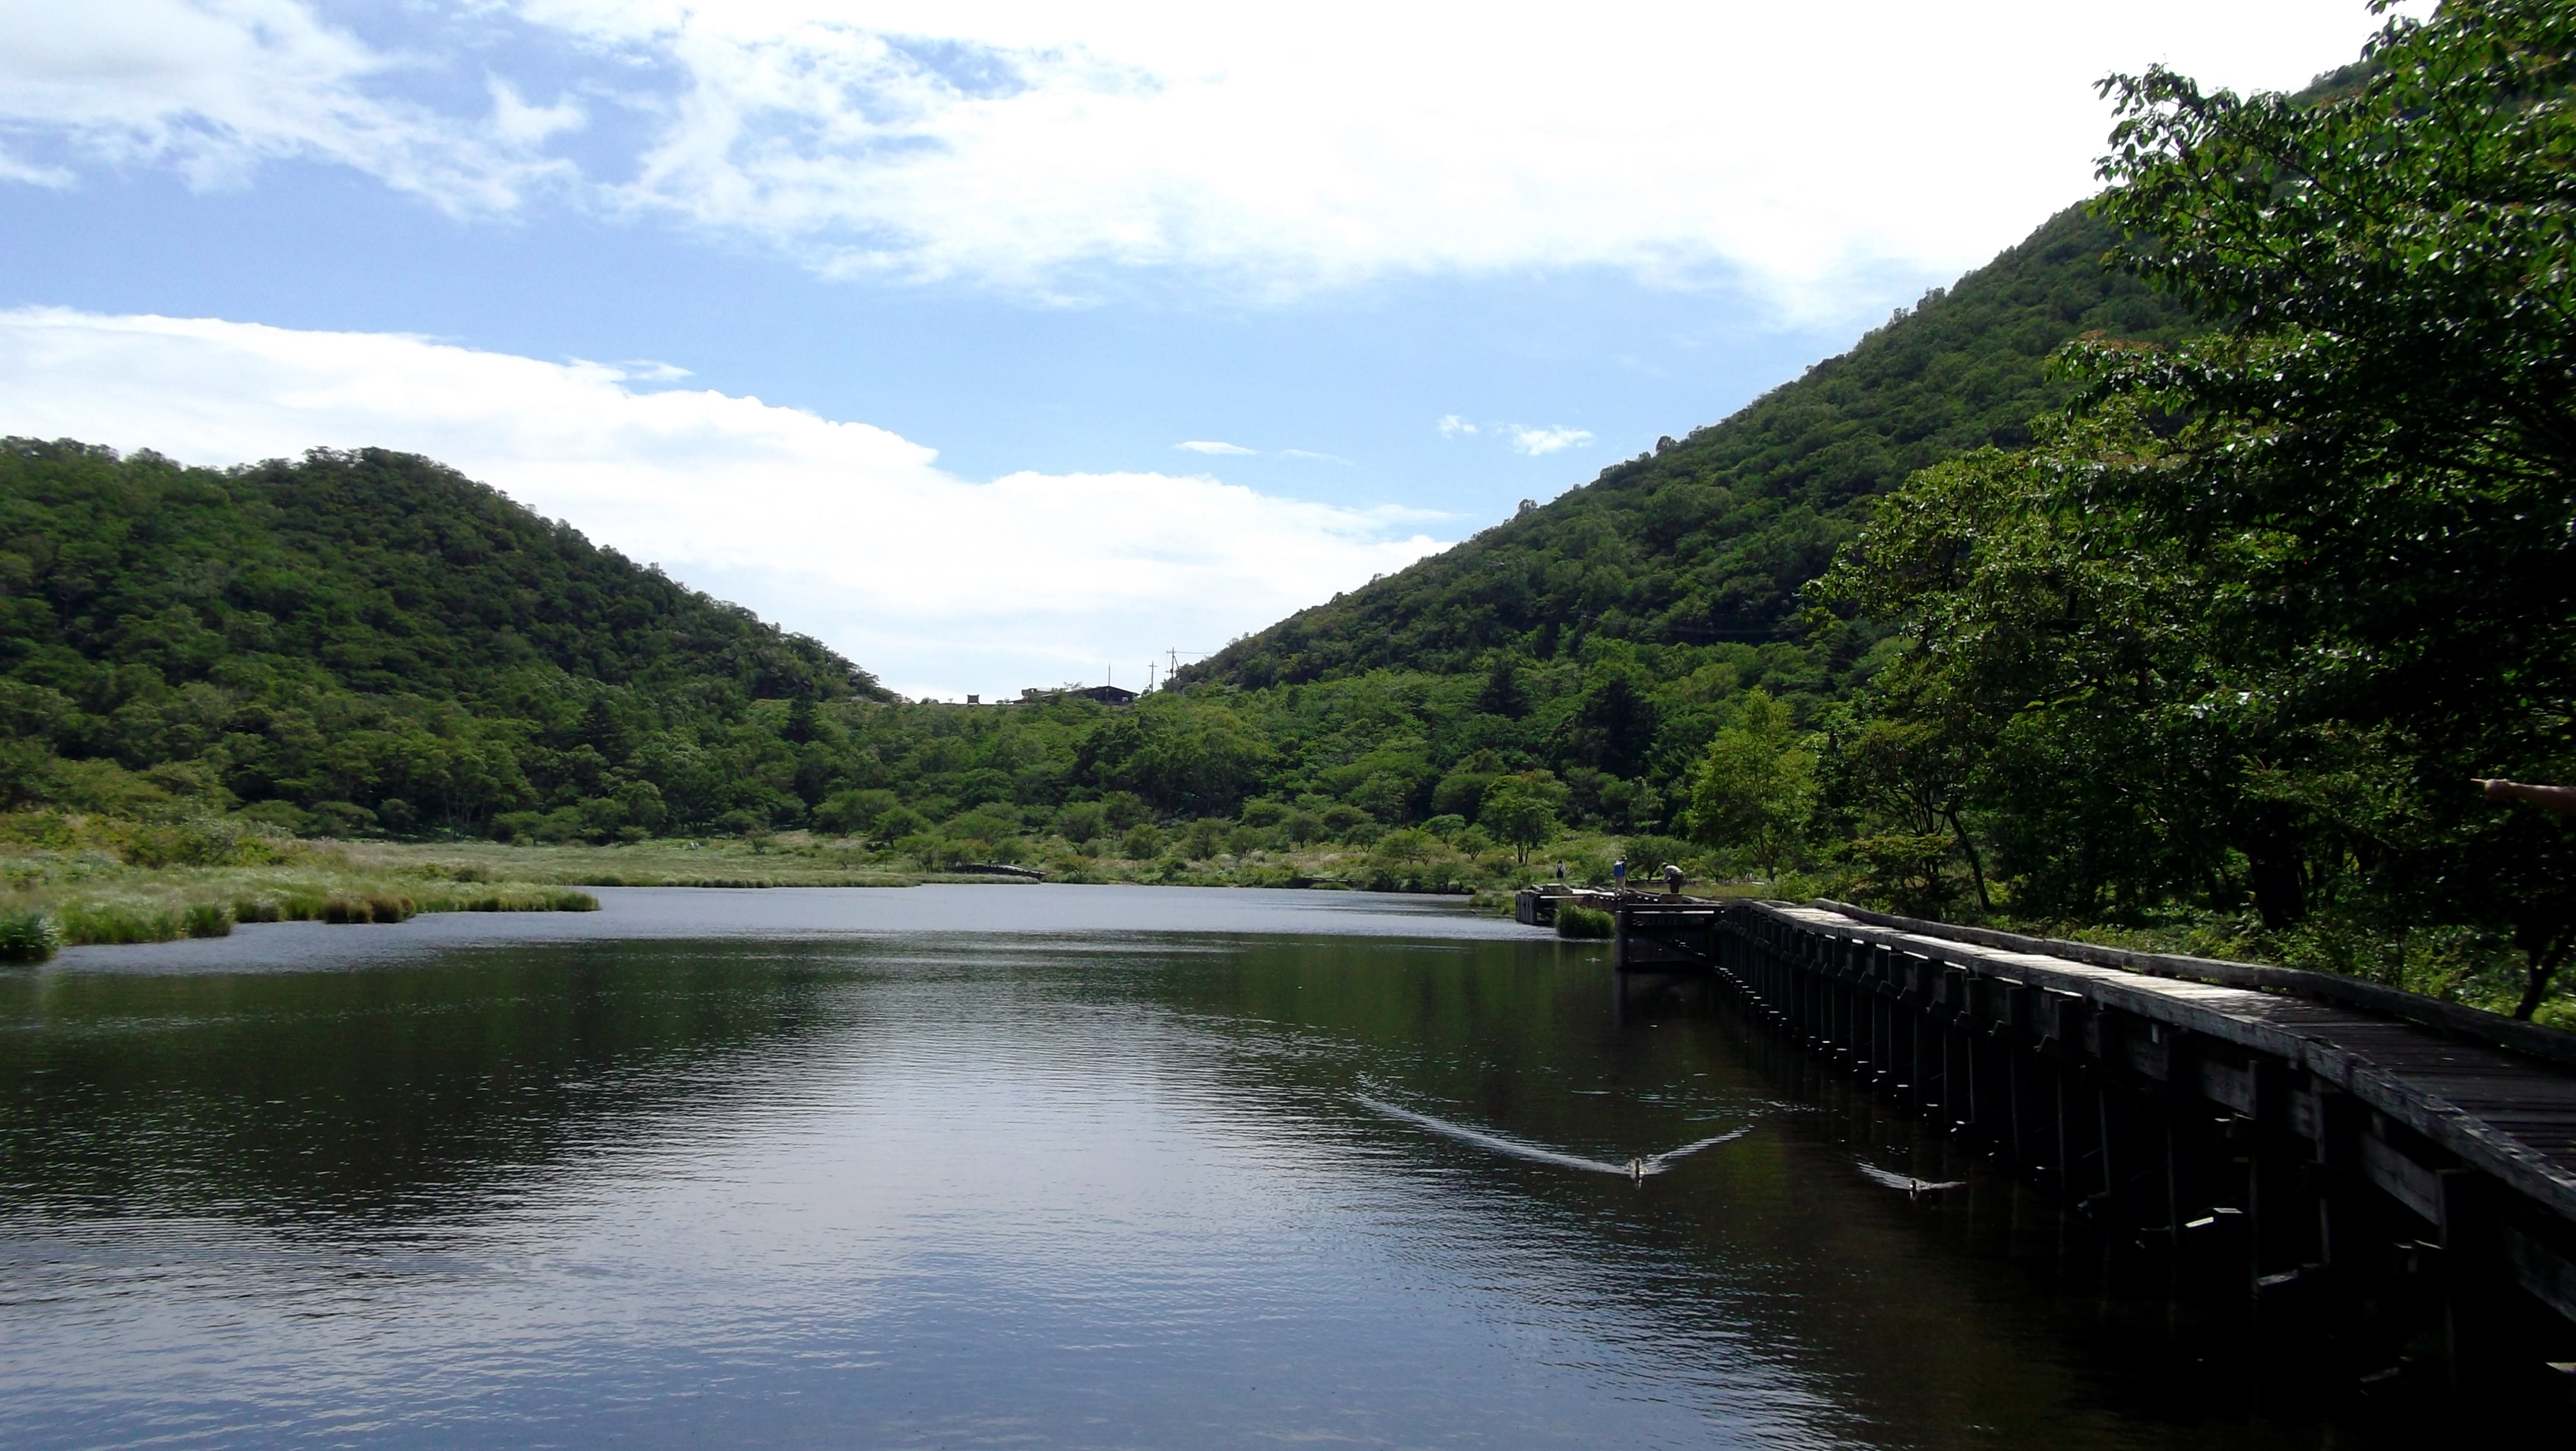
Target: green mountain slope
{"points": [[369, 635], [1708, 539]]}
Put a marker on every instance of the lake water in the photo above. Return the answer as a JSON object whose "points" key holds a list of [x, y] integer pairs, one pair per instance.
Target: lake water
{"points": [[1006, 1166]]}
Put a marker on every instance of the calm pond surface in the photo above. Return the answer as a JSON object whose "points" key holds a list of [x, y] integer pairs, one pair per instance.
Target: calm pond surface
{"points": [[1026, 1166]]}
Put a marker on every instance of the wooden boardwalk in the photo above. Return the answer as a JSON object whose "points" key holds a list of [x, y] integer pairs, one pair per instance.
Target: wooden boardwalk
{"points": [[2315, 1129]]}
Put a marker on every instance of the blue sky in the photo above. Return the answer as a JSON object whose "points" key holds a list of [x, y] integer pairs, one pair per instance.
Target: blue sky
{"points": [[898, 322]]}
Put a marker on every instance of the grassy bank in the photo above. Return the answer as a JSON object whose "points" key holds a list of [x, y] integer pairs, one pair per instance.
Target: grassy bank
{"points": [[75, 881], [1401, 861], [68, 880]]}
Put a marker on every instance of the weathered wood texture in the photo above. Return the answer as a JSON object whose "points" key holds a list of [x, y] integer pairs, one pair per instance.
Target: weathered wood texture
{"points": [[2509, 1114], [2320, 1135]]}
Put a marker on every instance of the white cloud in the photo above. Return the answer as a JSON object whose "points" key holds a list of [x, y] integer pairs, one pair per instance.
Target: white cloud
{"points": [[1207, 445], [1539, 442], [1451, 425], [214, 88], [1268, 148], [649, 370], [846, 531]]}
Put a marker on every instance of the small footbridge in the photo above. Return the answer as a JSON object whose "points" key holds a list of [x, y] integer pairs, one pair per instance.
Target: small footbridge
{"points": [[2347, 1154]]}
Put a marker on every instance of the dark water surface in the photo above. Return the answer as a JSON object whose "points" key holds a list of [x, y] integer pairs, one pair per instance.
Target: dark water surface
{"points": [[1050, 1166]]}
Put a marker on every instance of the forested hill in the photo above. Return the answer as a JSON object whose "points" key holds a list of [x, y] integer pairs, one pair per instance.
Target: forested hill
{"points": [[365, 632], [1708, 539]]}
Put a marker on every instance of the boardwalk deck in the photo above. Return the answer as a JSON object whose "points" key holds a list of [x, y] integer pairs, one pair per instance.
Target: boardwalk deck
{"points": [[2334, 1128], [2504, 1112]]}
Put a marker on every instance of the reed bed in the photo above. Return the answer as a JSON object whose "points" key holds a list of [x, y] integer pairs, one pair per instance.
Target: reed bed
{"points": [[1584, 922], [51, 900]]}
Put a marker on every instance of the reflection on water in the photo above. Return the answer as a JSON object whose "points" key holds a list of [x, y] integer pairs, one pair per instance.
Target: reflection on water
{"points": [[1540, 1153], [1065, 1166]]}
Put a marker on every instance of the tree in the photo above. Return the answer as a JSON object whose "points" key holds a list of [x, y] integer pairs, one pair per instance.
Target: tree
{"points": [[1406, 847], [1756, 786], [1181, 755], [2384, 431], [1502, 693], [2066, 669], [1521, 810], [1908, 780], [1613, 725]]}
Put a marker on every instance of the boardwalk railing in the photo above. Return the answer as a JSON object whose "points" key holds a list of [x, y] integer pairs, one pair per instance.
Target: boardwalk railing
{"points": [[2330, 1139]]}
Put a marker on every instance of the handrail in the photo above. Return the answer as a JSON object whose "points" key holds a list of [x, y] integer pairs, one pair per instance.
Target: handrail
{"points": [[2554, 1045]]}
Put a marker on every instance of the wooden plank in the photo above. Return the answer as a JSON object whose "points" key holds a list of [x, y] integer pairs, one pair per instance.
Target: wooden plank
{"points": [[2227, 1084], [2405, 1181], [2546, 1274], [2505, 1114]]}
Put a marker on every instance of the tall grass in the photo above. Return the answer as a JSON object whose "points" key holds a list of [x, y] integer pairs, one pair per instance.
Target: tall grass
{"points": [[28, 936], [1584, 922], [83, 897]]}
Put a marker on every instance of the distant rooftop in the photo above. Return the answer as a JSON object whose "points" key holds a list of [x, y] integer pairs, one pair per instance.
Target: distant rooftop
{"points": [[1105, 694]]}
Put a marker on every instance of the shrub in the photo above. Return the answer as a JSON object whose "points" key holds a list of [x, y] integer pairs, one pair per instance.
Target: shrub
{"points": [[1405, 847], [110, 923], [208, 919], [563, 824], [344, 818], [1344, 819], [286, 817], [37, 828], [1646, 855], [1082, 821], [203, 842], [1460, 795], [984, 823], [541, 899], [1203, 838], [369, 907], [853, 813], [28, 937], [1584, 922]]}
